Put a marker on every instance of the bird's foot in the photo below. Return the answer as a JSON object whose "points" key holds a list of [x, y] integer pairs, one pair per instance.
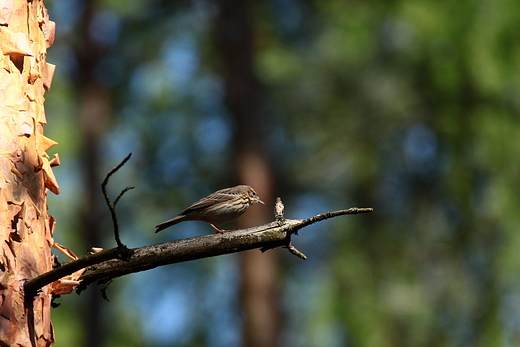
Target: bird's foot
{"points": [[220, 231]]}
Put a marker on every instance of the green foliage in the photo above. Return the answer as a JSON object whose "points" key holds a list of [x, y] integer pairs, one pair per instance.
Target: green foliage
{"points": [[410, 107]]}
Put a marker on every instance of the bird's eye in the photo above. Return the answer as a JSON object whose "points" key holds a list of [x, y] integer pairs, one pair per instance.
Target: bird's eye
{"points": [[254, 193]]}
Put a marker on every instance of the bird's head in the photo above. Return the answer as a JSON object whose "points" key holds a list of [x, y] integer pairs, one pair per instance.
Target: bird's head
{"points": [[252, 195]]}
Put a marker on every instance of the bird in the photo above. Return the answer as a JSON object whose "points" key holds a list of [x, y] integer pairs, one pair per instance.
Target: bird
{"points": [[220, 207]]}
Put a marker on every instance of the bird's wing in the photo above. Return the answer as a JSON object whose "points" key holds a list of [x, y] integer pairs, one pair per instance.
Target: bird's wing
{"points": [[205, 202], [212, 199]]}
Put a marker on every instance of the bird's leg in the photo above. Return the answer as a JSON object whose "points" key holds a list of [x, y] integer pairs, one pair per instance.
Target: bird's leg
{"points": [[220, 231]]}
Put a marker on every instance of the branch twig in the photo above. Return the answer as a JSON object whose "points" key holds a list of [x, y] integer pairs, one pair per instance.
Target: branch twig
{"points": [[112, 206], [296, 252]]}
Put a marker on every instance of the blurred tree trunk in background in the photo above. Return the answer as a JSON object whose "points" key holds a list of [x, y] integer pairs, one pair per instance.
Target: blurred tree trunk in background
{"points": [[95, 109], [259, 292], [25, 169]]}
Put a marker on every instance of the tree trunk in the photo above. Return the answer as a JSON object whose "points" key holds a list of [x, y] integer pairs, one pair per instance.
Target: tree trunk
{"points": [[259, 292], [25, 169], [95, 111]]}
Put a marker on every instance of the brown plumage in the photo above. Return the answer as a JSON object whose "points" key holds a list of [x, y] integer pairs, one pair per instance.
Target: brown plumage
{"points": [[218, 208]]}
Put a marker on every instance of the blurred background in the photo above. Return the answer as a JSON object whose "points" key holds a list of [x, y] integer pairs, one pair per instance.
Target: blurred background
{"points": [[410, 107]]}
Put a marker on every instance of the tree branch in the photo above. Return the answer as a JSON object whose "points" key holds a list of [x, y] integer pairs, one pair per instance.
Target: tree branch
{"points": [[32, 286], [267, 236]]}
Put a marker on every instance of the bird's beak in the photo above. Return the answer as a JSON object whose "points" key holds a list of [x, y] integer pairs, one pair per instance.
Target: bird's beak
{"points": [[260, 201]]}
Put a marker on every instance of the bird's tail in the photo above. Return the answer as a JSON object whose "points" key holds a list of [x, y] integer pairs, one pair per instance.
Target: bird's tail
{"points": [[169, 223]]}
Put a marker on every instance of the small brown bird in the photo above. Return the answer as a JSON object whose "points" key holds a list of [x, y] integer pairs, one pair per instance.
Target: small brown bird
{"points": [[218, 208]]}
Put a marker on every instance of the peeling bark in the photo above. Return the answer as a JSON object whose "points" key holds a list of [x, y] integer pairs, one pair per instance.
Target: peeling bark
{"points": [[25, 172]]}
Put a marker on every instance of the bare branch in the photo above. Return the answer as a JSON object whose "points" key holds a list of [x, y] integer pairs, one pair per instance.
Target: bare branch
{"points": [[108, 264], [32, 286], [267, 236], [121, 194], [112, 206], [296, 252]]}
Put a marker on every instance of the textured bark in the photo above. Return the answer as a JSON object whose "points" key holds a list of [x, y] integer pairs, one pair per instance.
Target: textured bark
{"points": [[25, 170]]}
